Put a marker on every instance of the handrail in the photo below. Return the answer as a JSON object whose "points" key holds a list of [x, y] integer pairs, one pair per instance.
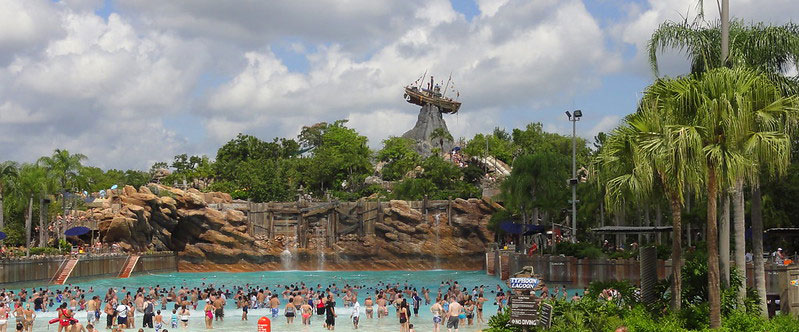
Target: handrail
{"points": [[60, 268], [124, 265]]}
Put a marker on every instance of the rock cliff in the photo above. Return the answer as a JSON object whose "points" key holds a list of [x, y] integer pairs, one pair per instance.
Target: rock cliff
{"points": [[429, 119], [210, 234]]}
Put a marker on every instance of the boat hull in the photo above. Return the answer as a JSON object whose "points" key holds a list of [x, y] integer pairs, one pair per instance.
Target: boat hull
{"points": [[421, 98]]}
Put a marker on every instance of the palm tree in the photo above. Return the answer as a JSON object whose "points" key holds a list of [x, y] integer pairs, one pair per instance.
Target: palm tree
{"points": [[63, 167], [768, 49], [441, 134], [8, 172], [629, 176], [671, 148], [33, 181], [729, 109]]}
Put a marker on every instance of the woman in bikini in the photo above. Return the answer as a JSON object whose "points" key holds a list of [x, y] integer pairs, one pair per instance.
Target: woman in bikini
{"points": [[368, 306], [209, 315], [290, 312], [184, 316]]}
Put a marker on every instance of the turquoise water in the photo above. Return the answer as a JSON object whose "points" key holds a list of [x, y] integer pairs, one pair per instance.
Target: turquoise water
{"points": [[368, 279]]}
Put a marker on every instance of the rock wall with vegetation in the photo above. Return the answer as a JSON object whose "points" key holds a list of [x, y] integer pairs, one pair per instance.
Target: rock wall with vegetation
{"points": [[157, 217]]}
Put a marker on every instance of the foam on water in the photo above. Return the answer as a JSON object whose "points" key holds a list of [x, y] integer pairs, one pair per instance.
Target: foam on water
{"points": [[369, 279]]}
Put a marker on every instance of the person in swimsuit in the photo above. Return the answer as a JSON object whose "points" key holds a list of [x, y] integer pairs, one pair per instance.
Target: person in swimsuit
{"points": [[30, 316], [290, 311], [453, 317], [368, 306], [274, 304], [174, 320], [403, 316], [306, 311], [158, 320], [438, 312], [330, 313], [245, 307], [3, 317], [184, 316], [209, 314], [382, 310], [320, 306], [469, 309], [480, 300]]}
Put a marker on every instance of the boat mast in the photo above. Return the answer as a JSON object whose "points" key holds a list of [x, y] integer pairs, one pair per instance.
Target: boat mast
{"points": [[446, 86]]}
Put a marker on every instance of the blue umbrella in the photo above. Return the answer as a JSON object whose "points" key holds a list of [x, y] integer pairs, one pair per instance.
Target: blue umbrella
{"points": [[3, 236], [76, 231]]}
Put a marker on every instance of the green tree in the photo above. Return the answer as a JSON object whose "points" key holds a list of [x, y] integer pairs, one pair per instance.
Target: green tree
{"points": [[8, 173], [724, 107], [64, 167], [765, 48], [537, 182], [399, 158], [341, 161]]}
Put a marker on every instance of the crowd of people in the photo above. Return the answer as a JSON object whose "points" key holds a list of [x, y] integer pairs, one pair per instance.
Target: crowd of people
{"points": [[161, 308]]}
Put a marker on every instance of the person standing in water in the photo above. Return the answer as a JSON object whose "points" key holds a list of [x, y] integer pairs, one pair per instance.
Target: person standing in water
{"points": [[438, 313], [209, 314], [330, 313], [306, 310], [290, 311], [356, 312], [453, 319]]}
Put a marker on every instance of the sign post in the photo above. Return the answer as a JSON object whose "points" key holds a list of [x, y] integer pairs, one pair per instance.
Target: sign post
{"points": [[264, 325], [545, 317]]}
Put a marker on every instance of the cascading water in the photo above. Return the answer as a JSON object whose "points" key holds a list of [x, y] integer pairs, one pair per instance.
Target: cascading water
{"points": [[438, 241], [287, 258], [320, 242]]}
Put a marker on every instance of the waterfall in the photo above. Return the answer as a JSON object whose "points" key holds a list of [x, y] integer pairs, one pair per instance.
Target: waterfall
{"points": [[438, 242], [320, 252], [287, 259]]}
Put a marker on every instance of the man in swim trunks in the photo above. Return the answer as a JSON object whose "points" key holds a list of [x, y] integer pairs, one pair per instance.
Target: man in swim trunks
{"points": [[219, 307], [274, 304], [453, 317]]}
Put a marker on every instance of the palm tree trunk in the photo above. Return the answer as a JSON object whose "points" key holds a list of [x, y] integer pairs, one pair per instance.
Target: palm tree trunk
{"points": [[724, 238], [757, 246], [659, 222], [28, 221], [740, 238], [676, 253], [2, 213], [712, 235]]}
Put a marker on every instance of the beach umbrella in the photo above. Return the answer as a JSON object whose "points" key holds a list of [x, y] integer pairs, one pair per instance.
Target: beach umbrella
{"points": [[76, 231], [3, 235]]}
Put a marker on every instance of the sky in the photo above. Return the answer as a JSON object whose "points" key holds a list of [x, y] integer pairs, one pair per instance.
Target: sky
{"points": [[132, 82]]}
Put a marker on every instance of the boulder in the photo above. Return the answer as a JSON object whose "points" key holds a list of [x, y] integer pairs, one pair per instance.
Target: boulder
{"points": [[220, 254], [213, 236]]}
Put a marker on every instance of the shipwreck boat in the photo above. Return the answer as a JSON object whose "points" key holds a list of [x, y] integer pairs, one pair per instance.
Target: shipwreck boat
{"points": [[432, 95]]}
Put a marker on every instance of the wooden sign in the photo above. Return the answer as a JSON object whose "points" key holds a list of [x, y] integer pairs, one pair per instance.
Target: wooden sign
{"points": [[524, 310], [545, 317]]}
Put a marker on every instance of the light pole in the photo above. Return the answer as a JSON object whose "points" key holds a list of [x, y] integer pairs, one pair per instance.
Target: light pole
{"points": [[573, 181]]}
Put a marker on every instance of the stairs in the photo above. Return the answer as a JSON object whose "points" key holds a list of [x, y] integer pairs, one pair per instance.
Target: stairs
{"points": [[130, 264], [63, 273]]}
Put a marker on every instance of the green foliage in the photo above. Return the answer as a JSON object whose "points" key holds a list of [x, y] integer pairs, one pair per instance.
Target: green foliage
{"points": [[579, 250], [45, 251], [399, 156], [538, 180], [498, 143], [440, 179]]}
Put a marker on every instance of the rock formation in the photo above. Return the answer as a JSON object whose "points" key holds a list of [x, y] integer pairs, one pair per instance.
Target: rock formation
{"points": [[209, 234], [429, 119]]}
